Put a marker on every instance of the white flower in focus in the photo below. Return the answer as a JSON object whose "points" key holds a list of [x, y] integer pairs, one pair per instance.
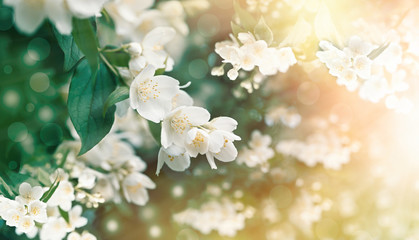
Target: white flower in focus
{"points": [[197, 141], [174, 157], [221, 138], [135, 188], [182, 98], [178, 122], [27, 194], [152, 95]]}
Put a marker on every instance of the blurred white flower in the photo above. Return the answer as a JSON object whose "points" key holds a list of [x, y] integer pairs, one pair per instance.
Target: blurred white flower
{"points": [[135, 188], [30, 15]]}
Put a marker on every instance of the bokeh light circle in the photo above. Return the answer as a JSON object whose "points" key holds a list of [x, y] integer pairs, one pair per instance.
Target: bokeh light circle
{"points": [[17, 132], [39, 82]]}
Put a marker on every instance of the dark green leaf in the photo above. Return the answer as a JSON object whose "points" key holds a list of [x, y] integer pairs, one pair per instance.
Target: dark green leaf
{"points": [[72, 53], [120, 58], [155, 129], [120, 94], [86, 40], [263, 32], [48, 194], [64, 214], [86, 100]]}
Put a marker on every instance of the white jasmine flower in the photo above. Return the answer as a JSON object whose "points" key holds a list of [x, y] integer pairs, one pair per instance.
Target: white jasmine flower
{"points": [[357, 47], [197, 141], [135, 188], [13, 217], [75, 218], [182, 98], [54, 229], [362, 66], [63, 196], [153, 47], [286, 58], [221, 147], [30, 15], [374, 89], [152, 95], [26, 224], [84, 236], [233, 73], [178, 122], [126, 14], [175, 14], [38, 211], [27, 194], [174, 157]]}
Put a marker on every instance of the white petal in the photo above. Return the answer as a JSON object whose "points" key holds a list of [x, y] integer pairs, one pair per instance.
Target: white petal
{"points": [[166, 134], [85, 9], [29, 15], [228, 153], [224, 123], [211, 161], [196, 115], [158, 37], [181, 99], [58, 14], [176, 163]]}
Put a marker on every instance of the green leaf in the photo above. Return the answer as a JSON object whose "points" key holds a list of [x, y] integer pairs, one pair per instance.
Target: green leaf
{"points": [[48, 194], [263, 32], [155, 130], [120, 94], [86, 40], [86, 100], [236, 29], [72, 53], [376, 52], [246, 20], [6, 189], [64, 214], [120, 58]]}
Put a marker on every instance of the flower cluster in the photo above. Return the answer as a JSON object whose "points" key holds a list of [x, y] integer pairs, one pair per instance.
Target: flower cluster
{"points": [[287, 116], [225, 216], [30, 15], [107, 172], [373, 70], [186, 130], [247, 53], [151, 51], [31, 213], [328, 147], [258, 152]]}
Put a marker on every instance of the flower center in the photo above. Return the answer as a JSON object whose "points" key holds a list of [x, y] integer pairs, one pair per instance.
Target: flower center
{"points": [[180, 123], [148, 90]]}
